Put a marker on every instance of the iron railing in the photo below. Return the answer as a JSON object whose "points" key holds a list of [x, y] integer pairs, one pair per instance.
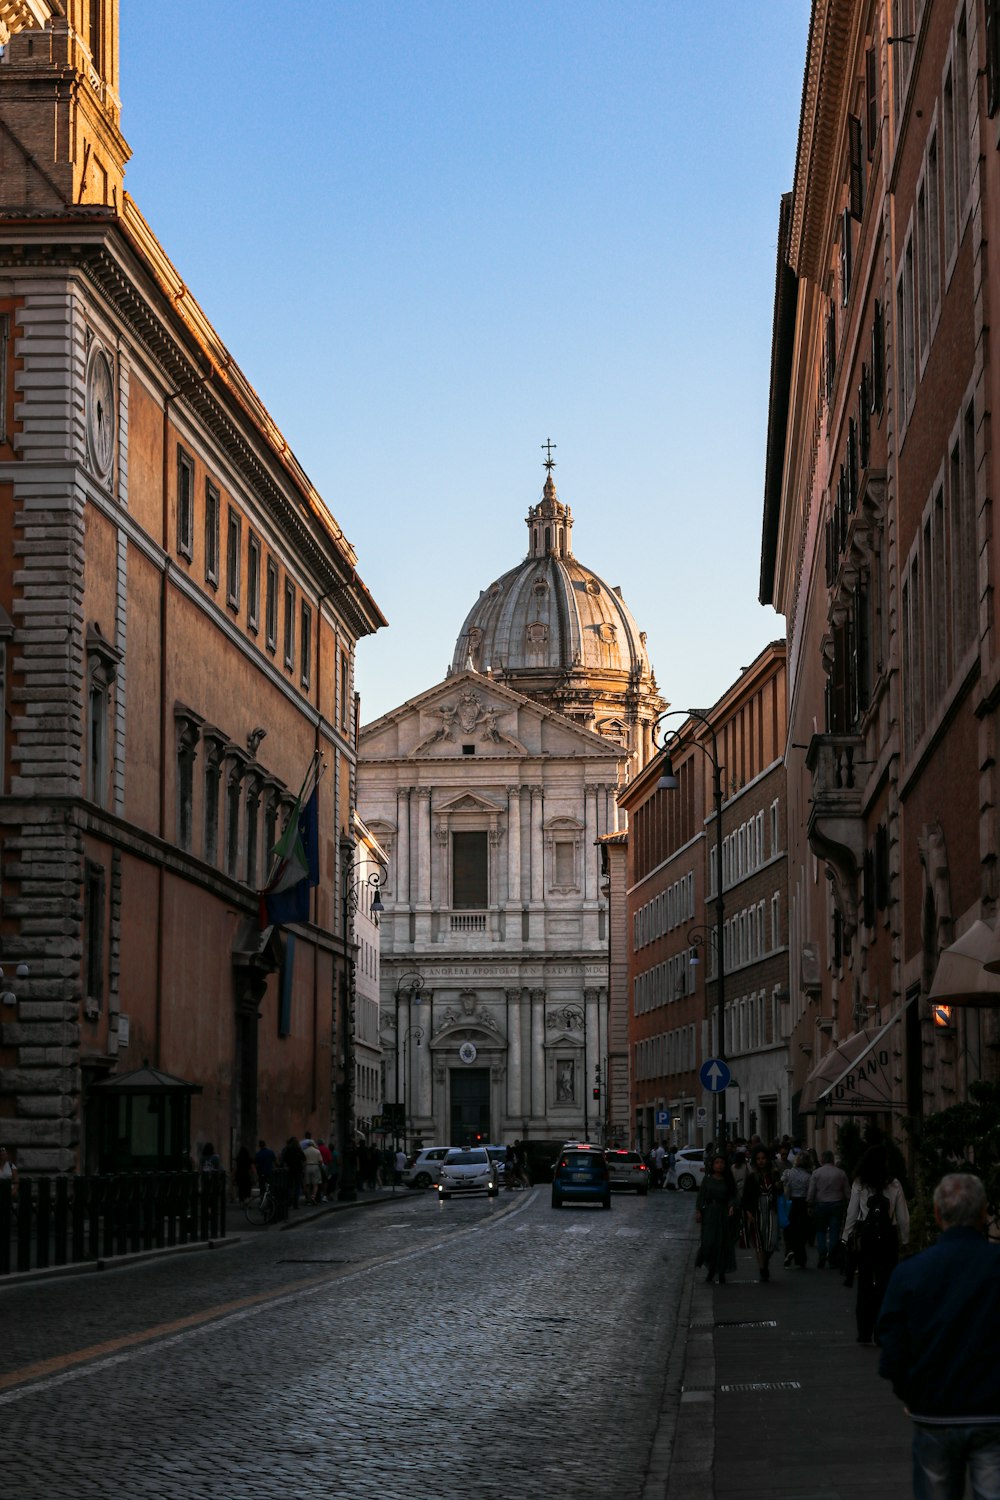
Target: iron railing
{"points": [[58, 1221]]}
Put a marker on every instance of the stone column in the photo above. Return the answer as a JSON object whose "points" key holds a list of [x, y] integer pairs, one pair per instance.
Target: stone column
{"points": [[537, 1054], [537, 846], [514, 846], [595, 1056], [590, 853], [402, 870], [423, 849], [515, 1102]]}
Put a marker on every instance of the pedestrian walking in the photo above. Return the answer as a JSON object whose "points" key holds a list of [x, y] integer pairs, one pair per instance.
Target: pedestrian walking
{"points": [[659, 1156], [877, 1221], [938, 1332], [243, 1174], [8, 1171], [400, 1164], [210, 1159], [796, 1185], [312, 1171], [760, 1210], [828, 1192], [716, 1212], [293, 1160], [265, 1162]]}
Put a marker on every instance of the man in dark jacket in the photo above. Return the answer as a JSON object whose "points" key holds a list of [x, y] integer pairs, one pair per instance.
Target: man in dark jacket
{"points": [[938, 1331]]}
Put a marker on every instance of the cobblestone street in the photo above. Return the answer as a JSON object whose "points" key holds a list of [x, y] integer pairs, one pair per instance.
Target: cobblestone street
{"points": [[478, 1348]]}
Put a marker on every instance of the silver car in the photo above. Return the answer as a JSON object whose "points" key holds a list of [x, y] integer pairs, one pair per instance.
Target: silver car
{"points": [[424, 1169], [469, 1171]]}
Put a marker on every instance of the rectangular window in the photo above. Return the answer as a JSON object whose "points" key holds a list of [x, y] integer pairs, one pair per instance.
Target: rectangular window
{"points": [[964, 550], [992, 57], [97, 761], [922, 289], [212, 512], [4, 354], [345, 688], [212, 772], [871, 98], [856, 168], [234, 558], [305, 644], [950, 193], [253, 582], [233, 824], [185, 503], [878, 360], [289, 625], [962, 161], [93, 919], [933, 227], [271, 606], [470, 871]]}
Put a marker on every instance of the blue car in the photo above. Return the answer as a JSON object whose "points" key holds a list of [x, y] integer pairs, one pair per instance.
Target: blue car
{"points": [[581, 1176]]}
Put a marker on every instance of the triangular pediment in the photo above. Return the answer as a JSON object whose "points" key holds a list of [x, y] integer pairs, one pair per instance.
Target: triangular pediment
{"points": [[469, 802], [470, 716]]}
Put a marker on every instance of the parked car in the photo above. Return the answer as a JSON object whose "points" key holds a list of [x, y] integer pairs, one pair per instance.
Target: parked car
{"points": [[627, 1169], [581, 1176], [424, 1169], [468, 1171], [690, 1167]]}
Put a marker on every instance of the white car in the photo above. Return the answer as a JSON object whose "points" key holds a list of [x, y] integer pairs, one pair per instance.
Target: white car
{"points": [[469, 1171], [690, 1167], [424, 1169]]}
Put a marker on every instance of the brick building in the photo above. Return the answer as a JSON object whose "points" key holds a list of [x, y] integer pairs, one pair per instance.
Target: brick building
{"points": [[879, 549], [178, 617], [672, 917]]}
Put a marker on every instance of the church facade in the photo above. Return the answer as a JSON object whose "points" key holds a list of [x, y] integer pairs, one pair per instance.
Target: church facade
{"points": [[490, 793]]}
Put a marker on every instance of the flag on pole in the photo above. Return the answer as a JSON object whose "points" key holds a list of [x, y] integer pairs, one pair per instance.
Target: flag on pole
{"points": [[295, 871]]}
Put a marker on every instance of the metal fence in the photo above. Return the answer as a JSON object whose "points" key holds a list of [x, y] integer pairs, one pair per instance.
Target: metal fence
{"points": [[58, 1221]]}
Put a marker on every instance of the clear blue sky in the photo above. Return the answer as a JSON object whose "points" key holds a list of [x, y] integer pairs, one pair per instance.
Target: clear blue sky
{"points": [[434, 233]]}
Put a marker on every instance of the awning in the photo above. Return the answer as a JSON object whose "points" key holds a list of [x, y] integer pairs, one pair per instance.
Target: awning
{"points": [[968, 971], [858, 1076]]}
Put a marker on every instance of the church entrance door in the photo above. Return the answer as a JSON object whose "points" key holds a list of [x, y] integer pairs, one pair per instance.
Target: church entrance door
{"points": [[470, 1105]]}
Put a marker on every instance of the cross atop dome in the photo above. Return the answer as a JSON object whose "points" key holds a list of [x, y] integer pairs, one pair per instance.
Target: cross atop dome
{"points": [[550, 523]]}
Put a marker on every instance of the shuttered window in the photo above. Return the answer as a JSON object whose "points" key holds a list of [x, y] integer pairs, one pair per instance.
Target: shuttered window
{"points": [[469, 871]]}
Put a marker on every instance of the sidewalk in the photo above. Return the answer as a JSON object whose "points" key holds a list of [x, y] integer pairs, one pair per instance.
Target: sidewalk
{"points": [[779, 1401]]}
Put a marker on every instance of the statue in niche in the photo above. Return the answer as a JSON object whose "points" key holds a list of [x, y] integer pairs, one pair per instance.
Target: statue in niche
{"points": [[564, 1081]]}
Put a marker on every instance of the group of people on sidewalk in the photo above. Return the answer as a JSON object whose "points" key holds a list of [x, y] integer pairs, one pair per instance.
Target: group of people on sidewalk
{"points": [[935, 1315], [314, 1168], [781, 1195]]}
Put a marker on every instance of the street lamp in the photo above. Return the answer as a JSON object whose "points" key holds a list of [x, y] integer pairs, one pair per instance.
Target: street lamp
{"points": [[352, 894], [668, 783], [411, 983]]}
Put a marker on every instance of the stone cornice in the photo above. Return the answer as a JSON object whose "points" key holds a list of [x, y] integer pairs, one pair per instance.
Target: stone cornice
{"points": [[821, 123], [163, 319]]}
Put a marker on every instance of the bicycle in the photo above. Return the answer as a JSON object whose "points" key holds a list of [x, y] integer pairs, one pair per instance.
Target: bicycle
{"points": [[261, 1210]]}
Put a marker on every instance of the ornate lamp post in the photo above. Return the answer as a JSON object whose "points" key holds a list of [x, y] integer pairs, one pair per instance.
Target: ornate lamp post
{"points": [[668, 783], [410, 984], [353, 890]]}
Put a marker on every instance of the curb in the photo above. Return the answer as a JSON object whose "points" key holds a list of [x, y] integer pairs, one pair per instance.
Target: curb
{"points": [[683, 1449], [134, 1258]]}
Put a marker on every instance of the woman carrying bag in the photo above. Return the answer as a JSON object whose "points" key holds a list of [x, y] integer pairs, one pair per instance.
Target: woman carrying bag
{"points": [[878, 1221]]}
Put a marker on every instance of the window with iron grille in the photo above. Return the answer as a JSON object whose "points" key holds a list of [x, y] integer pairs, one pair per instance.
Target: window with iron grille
{"points": [[185, 503]]}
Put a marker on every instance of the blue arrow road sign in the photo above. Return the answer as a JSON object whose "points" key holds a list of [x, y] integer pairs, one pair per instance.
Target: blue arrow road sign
{"points": [[715, 1075]]}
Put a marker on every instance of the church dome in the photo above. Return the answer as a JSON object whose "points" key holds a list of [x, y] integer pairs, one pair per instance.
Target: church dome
{"points": [[553, 629]]}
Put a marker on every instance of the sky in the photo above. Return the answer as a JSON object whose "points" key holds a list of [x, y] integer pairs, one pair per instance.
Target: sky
{"points": [[436, 233]]}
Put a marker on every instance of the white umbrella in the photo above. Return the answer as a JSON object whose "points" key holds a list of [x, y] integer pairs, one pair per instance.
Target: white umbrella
{"points": [[968, 971]]}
